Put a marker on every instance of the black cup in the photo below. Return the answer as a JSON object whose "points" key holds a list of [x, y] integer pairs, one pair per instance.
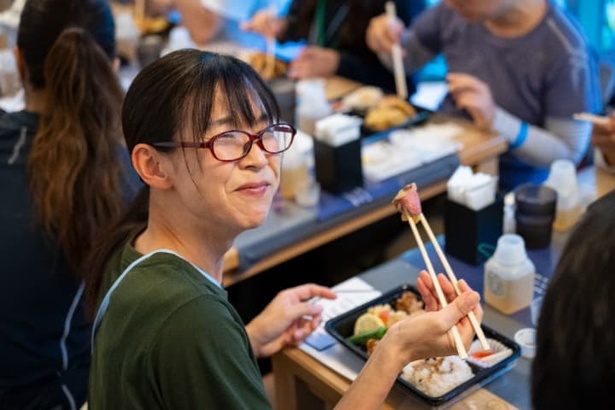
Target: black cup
{"points": [[535, 207], [283, 89], [149, 49], [535, 199], [535, 230]]}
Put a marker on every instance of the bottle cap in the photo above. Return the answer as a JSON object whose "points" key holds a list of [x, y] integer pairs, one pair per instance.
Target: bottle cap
{"points": [[510, 249]]}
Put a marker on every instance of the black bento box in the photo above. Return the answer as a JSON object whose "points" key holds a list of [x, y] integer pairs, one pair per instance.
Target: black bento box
{"points": [[342, 327]]}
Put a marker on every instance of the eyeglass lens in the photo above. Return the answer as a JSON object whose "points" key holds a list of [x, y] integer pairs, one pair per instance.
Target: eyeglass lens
{"points": [[236, 144]]}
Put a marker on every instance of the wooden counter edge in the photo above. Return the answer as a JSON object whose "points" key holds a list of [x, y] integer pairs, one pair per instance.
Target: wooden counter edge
{"points": [[294, 370]]}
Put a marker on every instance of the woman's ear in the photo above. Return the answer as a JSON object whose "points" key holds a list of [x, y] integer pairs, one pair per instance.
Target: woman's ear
{"points": [[151, 166]]}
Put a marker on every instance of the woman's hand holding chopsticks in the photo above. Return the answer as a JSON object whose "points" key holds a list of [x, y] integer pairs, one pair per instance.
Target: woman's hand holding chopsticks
{"points": [[429, 334], [458, 306]]}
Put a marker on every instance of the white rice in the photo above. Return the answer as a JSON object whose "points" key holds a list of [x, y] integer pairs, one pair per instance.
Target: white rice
{"points": [[437, 376]]}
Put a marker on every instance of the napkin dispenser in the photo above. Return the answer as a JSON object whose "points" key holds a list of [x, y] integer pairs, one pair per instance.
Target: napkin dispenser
{"points": [[473, 216], [337, 153]]}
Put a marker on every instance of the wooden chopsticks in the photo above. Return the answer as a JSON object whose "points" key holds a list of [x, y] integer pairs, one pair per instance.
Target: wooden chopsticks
{"points": [[398, 63], [461, 351]]}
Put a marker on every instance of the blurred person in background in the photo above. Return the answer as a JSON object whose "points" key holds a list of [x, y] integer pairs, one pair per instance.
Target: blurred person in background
{"points": [[335, 33], [575, 343], [603, 142], [520, 68], [210, 21], [603, 139], [63, 175]]}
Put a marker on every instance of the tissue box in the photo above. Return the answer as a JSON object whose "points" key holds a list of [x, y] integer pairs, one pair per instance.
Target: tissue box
{"points": [[338, 168], [465, 229]]}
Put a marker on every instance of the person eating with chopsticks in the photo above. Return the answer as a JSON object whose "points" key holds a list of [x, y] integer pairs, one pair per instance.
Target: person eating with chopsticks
{"points": [[208, 145], [520, 68]]}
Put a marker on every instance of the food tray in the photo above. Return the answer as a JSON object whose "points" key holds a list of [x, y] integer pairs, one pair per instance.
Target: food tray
{"points": [[342, 327], [422, 114]]}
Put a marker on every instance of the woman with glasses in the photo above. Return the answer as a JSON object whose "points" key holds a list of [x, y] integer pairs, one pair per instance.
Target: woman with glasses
{"points": [[205, 137]]}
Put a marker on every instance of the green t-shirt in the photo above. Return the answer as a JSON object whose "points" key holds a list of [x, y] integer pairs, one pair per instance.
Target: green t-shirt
{"points": [[171, 340]]}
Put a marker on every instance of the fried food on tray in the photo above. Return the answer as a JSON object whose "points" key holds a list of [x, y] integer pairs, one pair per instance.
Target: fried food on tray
{"points": [[394, 102], [370, 326], [389, 112], [370, 345], [262, 64], [409, 303], [380, 119], [151, 25], [363, 98]]}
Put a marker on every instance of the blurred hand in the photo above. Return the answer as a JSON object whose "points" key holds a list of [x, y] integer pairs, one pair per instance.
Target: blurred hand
{"points": [[428, 334], [159, 7], [474, 96], [314, 61], [603, 138], [382, 33], [266, 23], [287, 320]]}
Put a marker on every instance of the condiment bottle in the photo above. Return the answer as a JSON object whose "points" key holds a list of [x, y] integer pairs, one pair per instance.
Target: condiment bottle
{"points": [[509, 276]]}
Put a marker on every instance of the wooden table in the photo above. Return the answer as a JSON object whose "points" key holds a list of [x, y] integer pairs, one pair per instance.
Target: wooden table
{"points": [[480, 150], [302, 382]]}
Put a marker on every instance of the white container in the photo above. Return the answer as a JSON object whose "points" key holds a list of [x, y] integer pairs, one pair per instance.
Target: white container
{"points": [[311, 104], [526, 338], [509, 276], [295, 171], [563, 179]]}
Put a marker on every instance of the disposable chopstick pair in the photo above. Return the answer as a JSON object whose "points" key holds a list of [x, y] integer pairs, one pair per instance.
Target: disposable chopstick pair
{"points": [[270, 47], [593, 118], [270, 57], [451, 276], [398, 63], [461, 351]]}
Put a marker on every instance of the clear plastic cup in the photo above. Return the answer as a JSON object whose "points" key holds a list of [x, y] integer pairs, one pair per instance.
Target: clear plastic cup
{"points": [[562, 175], [563, 179]]}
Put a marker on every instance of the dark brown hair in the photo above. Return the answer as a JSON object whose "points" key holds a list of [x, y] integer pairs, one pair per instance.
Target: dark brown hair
{"points": [[176, 90], [575, 340], [73, 171]]}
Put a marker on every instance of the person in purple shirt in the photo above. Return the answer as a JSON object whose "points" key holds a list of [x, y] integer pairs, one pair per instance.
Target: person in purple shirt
{"points": [[520, 68]]}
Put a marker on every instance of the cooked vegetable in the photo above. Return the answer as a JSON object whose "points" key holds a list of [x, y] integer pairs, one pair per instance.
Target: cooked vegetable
{"points": [[361, 338]]}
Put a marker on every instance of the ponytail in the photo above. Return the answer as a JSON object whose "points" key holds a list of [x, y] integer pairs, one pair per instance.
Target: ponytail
{"points": [[74, 171], [133, 221]]}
